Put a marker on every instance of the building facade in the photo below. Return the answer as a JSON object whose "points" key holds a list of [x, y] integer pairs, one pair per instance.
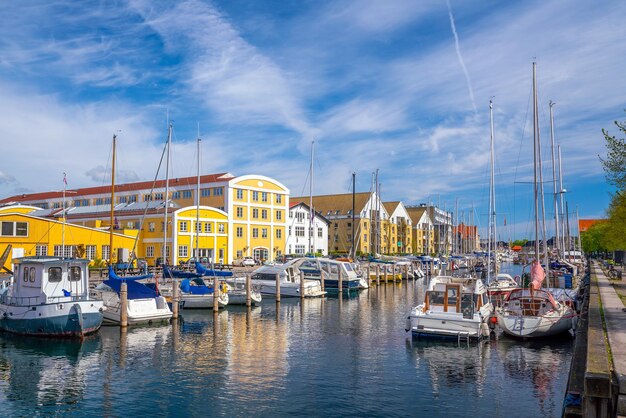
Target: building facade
{"points": [[303, 236]]}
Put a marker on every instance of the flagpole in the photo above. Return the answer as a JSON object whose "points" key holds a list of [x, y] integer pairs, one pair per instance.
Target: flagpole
{"points": [[63, 212]]}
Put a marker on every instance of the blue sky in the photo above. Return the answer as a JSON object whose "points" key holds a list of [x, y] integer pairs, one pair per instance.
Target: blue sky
{"points": [[401, 86]]}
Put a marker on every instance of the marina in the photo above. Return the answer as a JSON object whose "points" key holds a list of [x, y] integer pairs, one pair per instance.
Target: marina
{"points": [[330, 356]]}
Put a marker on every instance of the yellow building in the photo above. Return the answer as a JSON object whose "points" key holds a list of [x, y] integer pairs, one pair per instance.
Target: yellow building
{"points": [[423, 233], [31, 235], [246, 213]]}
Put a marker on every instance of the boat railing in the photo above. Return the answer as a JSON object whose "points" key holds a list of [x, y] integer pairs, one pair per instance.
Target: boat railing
{"points": [[39, 300]]}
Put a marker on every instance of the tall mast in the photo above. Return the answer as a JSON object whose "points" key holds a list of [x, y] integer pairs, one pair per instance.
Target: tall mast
{"points": [[554, 180], [543, 207], [167, 191], [353, 215], [112, 215], [561, 191], [196, 252], [492, 198], [579, 247], [535, 160], [64, 215], [311, 210]]}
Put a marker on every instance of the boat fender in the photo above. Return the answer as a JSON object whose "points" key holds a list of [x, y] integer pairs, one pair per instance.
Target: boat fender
{"points": [[492, 322]]}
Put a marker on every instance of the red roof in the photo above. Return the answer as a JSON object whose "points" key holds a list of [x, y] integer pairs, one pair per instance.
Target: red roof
{"points": [[585, 224], [128, 187]]}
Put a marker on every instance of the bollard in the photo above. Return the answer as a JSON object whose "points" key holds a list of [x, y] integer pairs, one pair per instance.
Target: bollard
{"points": [[369, 278], [123, 305], [174, 299], [248, 290], [393, 273], [386, 278], [340, 284], [301, 285], [216, 294], [322, 278], [277, 287], [406, 271], [377, 275]]}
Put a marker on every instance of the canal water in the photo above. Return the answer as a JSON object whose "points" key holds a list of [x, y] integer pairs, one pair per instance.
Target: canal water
{"points": [[324, 357]]}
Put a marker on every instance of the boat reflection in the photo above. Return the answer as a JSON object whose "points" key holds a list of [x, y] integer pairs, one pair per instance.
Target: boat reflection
{"points": [[45, 373]]}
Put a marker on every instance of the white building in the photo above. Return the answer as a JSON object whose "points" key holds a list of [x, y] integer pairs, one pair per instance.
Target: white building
{"points": [[302, 237]]}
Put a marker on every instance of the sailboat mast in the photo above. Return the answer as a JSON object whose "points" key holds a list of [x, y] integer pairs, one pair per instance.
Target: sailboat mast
{"points": [[112, 215], [535, 159], [311, 210], [196, 253], [554, 180], [561, 191], [492, 198], [167, 190], [353, 215]]}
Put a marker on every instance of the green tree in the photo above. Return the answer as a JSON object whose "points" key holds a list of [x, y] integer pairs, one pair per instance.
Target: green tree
{"points": [[595, 238], [520, 242], [616, 234], [615, 162]]}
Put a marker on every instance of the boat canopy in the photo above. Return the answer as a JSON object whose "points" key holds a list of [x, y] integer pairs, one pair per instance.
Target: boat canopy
{"points": [[203, 271], [135, 289], [179, 274], [198, 287]]}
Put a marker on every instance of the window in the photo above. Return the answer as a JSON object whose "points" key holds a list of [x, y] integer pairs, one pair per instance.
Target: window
{"points": [[300, 249], [255, 232], [205, 192], [198, 226], [41, 250], [320, 232], [183, 251], [74, 274], [107, 201], [158, 196], [132, 198], [182, 226], [255, 213], [14, 229], [336, 238], [239, 194], [151, 226], [64, 251], [218, 191], [279, 233], [279, 215], [220, 228], [264, 214], [299, 231], [150, 251], [99, 201], [187, 194], [123, 199], [239, 253], [57, 205], [147, 197], [176, 195], [300, 216], [240, 212], [54, 274], [336, 225], [167, 251], [279, 198], [264, 233], [239, 232], [90, 252], [255, 196], [264, 197], [207, 227]]}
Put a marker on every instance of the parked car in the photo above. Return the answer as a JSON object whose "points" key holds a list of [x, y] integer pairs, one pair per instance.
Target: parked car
{"points": [[244, 262]]}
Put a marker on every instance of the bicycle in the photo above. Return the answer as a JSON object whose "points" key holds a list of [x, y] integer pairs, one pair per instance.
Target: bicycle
{"points": [[612, 273]]}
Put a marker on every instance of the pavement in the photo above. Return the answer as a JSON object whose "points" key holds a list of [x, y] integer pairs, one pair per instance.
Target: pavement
{"points": [[615, 319]]}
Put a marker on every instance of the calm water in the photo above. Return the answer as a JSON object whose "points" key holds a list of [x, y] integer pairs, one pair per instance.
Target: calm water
{"points": [[331, 357]]}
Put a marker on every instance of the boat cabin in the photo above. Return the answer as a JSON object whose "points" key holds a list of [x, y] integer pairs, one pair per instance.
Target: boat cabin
{"points": [[455, 296], [288, 273], [39, 280]]}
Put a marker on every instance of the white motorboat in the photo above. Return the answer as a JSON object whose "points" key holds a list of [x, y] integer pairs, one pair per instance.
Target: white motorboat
{"points": [[500, 287], [528, 313], [456, 307], [237, 292], [49, 296], [144, 304], [289, 278]]}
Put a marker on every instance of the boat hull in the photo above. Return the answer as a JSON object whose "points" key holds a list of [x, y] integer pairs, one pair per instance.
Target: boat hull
{"points": [[427, 326], [139, 311], [312, 288], [353, 284], [191, 301], [66, 319], [519, 326], [238, 297]]}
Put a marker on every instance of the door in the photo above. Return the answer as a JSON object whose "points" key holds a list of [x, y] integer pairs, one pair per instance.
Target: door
{"points": [[452, 299]]}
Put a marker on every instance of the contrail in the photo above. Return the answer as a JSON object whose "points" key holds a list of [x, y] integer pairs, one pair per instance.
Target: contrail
{"points": [[458, 53]]}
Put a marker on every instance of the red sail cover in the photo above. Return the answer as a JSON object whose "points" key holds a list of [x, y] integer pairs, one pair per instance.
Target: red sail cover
{"points": [[537, 275]]}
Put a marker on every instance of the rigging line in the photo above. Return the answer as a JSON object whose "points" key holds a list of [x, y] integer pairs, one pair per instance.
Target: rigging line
{"points": [[143, 217]]}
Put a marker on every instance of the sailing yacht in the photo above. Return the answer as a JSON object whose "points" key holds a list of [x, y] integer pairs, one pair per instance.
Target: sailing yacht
{"points": [[534, 312]]}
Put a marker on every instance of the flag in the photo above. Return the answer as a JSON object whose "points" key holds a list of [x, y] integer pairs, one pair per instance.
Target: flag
{"points": [[64, 178]]}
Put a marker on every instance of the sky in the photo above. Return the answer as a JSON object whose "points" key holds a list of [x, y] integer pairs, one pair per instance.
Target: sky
{"points": [[398, 86]]}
